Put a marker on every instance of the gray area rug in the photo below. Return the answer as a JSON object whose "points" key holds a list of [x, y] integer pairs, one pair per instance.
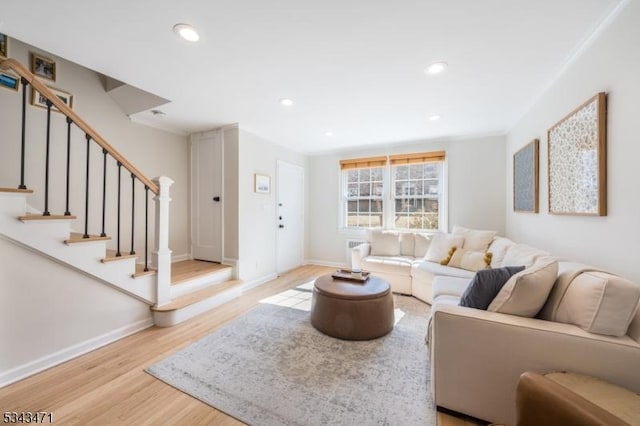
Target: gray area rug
{"points": [[271, 367]]}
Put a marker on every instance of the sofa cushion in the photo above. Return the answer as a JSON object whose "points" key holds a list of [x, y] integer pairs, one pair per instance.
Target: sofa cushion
{"points": [[525, 292], [474, 239], [421, 244], [469, 260], [385, 243], [498, 249], [485, 285], [451, 286], [440, 246], [522, 254], [407, 244], [399, 265], [596, 301], [433, 269]]}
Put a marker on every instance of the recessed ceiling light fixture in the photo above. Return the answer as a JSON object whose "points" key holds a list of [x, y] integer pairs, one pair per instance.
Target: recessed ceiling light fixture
{"points": [[286, 102], [435, 117], [328, 134], [187, 32], [436, 68]]}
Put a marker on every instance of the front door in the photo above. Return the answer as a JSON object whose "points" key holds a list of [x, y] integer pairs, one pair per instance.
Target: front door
{"points": [[289, 216]]}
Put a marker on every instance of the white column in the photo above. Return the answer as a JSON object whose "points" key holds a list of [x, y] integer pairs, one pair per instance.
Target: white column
{"points": [[161, 257]]}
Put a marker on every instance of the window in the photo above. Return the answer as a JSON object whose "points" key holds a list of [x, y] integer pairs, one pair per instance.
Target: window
{"points": [[401, 192], [363, 189]]}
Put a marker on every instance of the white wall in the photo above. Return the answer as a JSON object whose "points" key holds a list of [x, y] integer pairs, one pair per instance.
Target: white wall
{"points": [[611, 64], [152, 151], [476, 168], [50, 313], [257, 212]]}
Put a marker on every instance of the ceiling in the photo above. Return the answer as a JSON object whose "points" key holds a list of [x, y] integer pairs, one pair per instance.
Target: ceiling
{"points": [[352, 67]]}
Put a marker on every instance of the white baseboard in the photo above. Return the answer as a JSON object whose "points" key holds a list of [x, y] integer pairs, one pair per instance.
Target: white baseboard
{"points": [[327, 263], [255, 283], [180, 257], [48, 361]]}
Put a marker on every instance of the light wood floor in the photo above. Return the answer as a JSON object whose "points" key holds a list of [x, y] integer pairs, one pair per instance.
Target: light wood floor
{"points": [[187, 269], [109, 386]]}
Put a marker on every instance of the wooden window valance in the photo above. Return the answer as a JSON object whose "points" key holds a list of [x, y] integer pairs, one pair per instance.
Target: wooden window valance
{"points": [[363, 163], [422, 157]]}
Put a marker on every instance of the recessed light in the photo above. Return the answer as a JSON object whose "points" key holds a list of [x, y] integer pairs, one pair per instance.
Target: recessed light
{"points": [[286, 102], [187, 32], [436, 68], [328, 134], [435, 117]]}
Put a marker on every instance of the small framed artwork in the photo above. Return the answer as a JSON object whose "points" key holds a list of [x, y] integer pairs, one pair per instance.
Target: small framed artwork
{"points": [[37, 99], [43, 67], [9, 81], [262, 183], [525, 178], [578, 160], [4, 45]]}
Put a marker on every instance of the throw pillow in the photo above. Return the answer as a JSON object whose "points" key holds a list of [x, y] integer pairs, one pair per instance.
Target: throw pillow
{"points": [[447, 259], [485, 286], [499, 248], [596, 301], [385, 243], [522, 254], [526, 292], [474, 239], [440, 246], [407, 243], [470, 260]]}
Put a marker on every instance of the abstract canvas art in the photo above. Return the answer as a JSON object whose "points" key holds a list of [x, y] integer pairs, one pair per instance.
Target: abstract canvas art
{"points": [[577, 161], [525, 178]]}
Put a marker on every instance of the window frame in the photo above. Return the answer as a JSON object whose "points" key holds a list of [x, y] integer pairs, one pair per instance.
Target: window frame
{"points": [[388, 198]]}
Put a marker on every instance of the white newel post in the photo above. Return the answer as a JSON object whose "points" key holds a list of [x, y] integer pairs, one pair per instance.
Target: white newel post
{"points": [[161, 257]]}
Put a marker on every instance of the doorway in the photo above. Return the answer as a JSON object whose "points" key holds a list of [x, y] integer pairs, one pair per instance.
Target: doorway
{"points": [[289, 216], [206, 196]]}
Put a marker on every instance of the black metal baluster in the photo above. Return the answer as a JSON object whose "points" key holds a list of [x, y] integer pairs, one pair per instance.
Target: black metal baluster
{"points": [[133, 209], [104, 189], [25, 83], [86, 193], [69, 122], [46, 167], [118, 254], [146, 228]]}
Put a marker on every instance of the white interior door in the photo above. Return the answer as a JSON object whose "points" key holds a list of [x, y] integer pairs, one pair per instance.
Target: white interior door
{"points": [[289, 216], [206, 196]]}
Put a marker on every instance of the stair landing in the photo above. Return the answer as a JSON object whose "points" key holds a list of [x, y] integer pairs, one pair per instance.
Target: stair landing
{"points": [[187, 270]]}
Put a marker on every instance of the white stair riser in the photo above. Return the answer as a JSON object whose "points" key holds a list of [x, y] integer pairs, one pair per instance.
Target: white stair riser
{"points": [[201, 282], [171, 318]]}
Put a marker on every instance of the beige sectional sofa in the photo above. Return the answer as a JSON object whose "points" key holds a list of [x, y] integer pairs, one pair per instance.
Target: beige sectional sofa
{"points": [[552, 316]]}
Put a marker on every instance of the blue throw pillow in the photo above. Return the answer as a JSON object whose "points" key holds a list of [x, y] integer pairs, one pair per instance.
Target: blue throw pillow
{"points": [[486, 285]]}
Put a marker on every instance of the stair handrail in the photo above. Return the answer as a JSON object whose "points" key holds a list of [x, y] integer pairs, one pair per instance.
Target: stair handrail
{"points": [[23, 72]]}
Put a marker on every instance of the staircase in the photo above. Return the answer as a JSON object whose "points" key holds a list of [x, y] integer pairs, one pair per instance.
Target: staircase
{"points": [[174, 292]]}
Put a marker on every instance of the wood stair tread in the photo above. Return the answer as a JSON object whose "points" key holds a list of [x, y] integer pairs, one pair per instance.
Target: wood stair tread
{"points": [[140, 272], [187, 270], [197, 296], [77, 237], [111, 256], [28, 217], [18, 190]]}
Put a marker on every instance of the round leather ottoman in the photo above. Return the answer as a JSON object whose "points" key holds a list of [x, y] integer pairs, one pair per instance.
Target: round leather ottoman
{"points": [[352, 310]]}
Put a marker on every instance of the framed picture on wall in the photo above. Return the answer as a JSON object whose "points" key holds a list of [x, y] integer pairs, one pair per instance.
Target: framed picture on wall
{"points": [[4, 45], [578, 160], [37, 99], [525, 178], [43, 67], [262, 183], [9, 81]]}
